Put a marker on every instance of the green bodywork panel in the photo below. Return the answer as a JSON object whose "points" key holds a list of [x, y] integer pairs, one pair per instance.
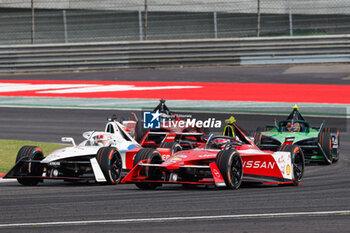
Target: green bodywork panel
{"points": [[298, 136], [280, 136]]}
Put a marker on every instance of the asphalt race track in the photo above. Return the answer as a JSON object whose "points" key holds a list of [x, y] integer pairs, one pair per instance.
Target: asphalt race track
{"points": [[320, 204], [304, 74]]}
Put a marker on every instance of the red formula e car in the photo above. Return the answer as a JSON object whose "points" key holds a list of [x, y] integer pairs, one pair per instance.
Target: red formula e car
{"points": [[224, 161]]}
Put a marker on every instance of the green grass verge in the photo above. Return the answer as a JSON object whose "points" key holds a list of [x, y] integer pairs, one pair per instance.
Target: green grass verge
{"points": [[9, 149]]}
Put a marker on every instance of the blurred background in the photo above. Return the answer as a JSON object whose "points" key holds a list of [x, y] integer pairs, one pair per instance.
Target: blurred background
{"points": [[67, 21]]}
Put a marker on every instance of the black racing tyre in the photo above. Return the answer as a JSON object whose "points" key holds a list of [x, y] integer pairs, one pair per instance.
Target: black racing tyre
{"points": [[153, 173], [258, 135], [257, 138], [335, 140], [174, 146], [32, 169], [138, 131], [328, 139], [111, 164], [230, 166], [298, 162]]}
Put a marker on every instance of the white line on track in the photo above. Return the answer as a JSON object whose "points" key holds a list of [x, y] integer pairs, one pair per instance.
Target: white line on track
{"points": [[191, 218], [7, 180]]}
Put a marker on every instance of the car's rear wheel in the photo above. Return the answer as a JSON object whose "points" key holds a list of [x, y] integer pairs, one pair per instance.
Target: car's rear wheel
{"points": [[335, 144], [298, 162], [328, 138], [174, 146], [30, 168], [257, 138], [230, 166], [111, 164], [151, 156], [139, 131]]}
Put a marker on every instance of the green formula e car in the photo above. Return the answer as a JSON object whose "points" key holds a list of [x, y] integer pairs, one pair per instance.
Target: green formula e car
{"points": [[319, 144]]}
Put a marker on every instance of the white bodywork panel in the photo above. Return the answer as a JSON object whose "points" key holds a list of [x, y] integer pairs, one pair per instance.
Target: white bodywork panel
{"points": [[284, 163], [97, 171], [70, 152]]}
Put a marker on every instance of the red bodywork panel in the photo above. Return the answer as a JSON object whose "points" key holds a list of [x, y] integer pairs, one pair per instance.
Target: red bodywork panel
{"points": [[130, 155], [218, 179], [169, 138]]}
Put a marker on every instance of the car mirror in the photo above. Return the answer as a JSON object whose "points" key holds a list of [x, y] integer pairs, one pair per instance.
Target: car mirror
{"points": [[68, 140]]}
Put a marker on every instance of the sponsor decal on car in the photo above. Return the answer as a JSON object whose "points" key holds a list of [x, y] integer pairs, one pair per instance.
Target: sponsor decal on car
{"points": [[334, 141], [216, 173], [258, 164], [176, 159], [206, 155], [283, 160], [289, 139], [54, 164], [288, 170], [165, 157]]}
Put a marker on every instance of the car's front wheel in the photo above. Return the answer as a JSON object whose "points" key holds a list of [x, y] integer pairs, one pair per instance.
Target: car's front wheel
{"points": [[174, 146], [298, 162], [110, 162], [151, 156], [30, 168], [230, 166]]}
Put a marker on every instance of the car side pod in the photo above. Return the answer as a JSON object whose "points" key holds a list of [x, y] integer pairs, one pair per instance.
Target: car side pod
{"points": [[218, 179]]}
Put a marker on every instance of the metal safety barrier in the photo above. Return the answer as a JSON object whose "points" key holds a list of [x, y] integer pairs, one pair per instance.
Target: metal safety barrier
{"points": [[174, 53]]}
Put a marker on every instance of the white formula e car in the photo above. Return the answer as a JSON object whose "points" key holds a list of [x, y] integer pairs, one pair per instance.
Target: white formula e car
{"points": [[101, 157]]}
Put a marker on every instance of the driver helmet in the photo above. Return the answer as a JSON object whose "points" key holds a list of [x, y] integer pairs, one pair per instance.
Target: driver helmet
{"points": [[100, 140], [296, 127], [289, 126], [221, 142]]}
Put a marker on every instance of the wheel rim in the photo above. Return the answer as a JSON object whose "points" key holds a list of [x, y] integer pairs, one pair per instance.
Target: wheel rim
{"points": [[236, 171], [116, 168], [338, 144], [298, 165]]}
